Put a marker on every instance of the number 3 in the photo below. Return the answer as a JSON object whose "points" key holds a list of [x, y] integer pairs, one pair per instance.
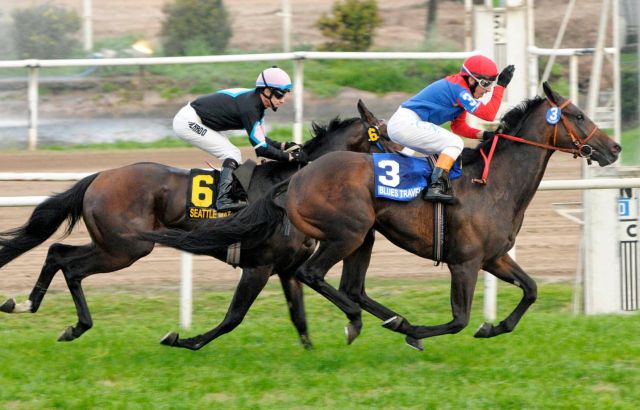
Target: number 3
{"points": [[392, 169]]}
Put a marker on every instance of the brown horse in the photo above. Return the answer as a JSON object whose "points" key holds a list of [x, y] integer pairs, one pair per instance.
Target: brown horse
{"points": [[118, 204], [333, 201]]}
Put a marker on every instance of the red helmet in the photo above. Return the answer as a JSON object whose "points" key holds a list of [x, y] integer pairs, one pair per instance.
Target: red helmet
{"points": [[480, 66]]}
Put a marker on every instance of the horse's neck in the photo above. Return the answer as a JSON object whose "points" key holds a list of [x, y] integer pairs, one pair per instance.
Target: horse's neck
{"points": [[522, 167]]}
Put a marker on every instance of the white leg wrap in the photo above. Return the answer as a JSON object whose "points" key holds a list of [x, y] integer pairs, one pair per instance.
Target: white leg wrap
{"points": [[24, 307]]}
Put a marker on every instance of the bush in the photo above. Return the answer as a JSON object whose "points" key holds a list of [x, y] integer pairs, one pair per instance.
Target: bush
{"points": [[351, 26], [195, 27], [44, 32]]}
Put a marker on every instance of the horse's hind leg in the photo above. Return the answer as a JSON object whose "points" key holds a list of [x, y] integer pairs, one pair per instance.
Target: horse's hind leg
{"points": [[78, 262], [313, 271], [251, 284], [508, 270], [295, 300], [48, 271], [352, 283]]}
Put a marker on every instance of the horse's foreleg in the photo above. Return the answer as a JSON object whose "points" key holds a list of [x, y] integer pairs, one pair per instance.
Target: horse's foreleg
{"points": [[508, 270], [295, 301], [251, 284], [463, 284]]}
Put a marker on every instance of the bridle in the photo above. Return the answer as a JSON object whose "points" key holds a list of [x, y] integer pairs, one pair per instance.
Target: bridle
{"points": [[374, 136], [582, 149]]}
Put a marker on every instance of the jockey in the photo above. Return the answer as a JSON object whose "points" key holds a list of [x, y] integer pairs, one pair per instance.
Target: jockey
{"points": [[416, 123], [199, 123]]}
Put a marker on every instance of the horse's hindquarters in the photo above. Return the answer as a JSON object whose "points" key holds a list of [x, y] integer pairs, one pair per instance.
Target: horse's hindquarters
{"points": [[333, 195]]}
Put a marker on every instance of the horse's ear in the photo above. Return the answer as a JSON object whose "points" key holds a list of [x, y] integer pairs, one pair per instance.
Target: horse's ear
{"points": [[551, 95], [366, 115]]}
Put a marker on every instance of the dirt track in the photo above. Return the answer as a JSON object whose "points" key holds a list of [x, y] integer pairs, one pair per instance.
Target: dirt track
{"points": [[546, 247]]}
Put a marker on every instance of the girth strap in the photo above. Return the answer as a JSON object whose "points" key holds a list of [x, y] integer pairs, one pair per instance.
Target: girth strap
{"points": [[438, 224]]}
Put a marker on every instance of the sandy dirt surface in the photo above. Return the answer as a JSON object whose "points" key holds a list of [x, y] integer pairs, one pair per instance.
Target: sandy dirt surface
{"points": [[546, 247]]}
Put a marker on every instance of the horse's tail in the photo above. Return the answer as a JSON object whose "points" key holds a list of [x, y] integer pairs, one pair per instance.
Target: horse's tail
{"points": [[252, 226], [44, 221]]}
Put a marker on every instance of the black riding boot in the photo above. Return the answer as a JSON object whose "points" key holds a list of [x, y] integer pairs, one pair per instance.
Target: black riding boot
{"points": [[224, 201], [439, 190]]}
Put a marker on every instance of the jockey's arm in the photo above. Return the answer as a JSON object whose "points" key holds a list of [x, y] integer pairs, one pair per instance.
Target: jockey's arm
{"points": [[264, 146], [486, 111], [460, 127]]}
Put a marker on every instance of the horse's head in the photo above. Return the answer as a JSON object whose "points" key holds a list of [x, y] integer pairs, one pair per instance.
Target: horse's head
{"points": [[365, 134], [573, 131], [375, 132]]}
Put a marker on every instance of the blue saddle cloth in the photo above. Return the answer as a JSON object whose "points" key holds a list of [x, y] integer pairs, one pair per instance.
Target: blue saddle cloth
{"points": [[402, 178]]}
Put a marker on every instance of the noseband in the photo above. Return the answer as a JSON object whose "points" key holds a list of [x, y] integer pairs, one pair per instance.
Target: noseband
{"points": [[582, 149]]}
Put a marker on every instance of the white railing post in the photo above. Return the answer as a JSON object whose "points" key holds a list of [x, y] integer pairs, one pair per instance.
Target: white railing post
{"points": [[186, 289], [33, 108], [298, 93]]}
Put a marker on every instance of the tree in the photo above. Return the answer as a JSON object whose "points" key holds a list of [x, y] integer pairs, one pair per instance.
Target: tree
{"points": [[351, 26], [44, 32], [195, 27]]}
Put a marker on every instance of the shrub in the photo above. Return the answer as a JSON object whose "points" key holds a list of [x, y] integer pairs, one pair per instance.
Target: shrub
{"points": [[195, 27], [351, 26], [44, 32]]}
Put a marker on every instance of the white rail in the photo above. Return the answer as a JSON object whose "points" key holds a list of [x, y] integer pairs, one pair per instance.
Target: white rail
{"points": [[298, 57]]}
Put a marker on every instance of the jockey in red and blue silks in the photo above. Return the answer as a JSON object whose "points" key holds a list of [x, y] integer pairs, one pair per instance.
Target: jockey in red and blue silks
{"points": [[199, 123], [416, 123]]}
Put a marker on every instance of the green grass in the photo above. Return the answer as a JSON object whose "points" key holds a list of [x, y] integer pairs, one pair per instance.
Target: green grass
{"points": [[277, 134], [552, 360]]}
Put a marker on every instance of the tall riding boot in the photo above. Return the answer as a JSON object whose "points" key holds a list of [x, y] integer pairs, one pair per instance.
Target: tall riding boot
{"points": [[439, 187], [438, 190], [225, 202]]}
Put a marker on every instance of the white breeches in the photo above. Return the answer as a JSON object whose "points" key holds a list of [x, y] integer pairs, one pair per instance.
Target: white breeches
{"points": [[188, 126], [406, 128]]}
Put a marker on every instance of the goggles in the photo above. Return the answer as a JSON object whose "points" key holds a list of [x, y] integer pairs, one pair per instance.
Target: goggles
{"points": [[278, 93], [484, 83]]}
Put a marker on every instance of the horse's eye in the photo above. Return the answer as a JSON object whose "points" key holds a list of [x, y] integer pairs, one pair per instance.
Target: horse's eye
{"points": [[580, 117]]}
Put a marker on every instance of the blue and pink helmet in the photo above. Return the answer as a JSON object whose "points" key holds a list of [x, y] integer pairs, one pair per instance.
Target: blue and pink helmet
{"points": [[274, 78]]}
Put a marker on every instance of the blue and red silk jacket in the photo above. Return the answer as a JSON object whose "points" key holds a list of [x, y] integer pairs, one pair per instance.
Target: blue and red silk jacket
{"points": [[450, 99]]}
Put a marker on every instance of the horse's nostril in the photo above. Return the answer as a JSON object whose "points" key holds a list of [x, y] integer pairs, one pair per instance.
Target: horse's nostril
{"points": [[616, 149]]}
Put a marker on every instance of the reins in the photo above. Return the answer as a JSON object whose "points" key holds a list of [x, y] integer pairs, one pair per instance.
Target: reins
{"points": [[582, 148]]}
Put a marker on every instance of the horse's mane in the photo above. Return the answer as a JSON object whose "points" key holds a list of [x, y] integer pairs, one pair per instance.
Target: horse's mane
{"points": [[320, 131], [510, 123]]}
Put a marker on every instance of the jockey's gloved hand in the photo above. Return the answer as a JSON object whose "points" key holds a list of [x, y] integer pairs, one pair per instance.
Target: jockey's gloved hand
{"points": [[299, 156], [487, 135], [290, 147], [506, 75]]}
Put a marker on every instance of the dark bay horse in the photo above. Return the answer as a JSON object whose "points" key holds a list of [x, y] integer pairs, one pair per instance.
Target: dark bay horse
{"points": [[118, 204], [333, 201]]}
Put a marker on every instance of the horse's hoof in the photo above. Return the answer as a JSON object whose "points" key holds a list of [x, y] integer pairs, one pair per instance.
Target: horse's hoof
{"points": [[393, 323], [351, 332], [414, 343], [67, 335], [484, 330], [306, 342], [8, 306], [170, 339]]}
